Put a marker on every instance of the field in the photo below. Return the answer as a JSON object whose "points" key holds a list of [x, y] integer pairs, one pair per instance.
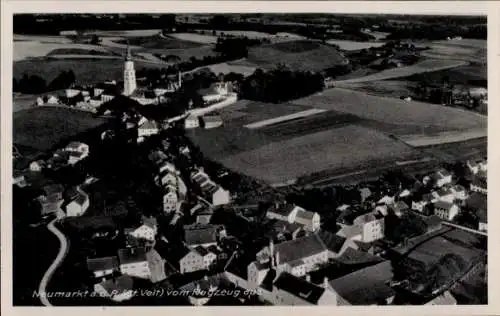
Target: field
{"points": [[80, 51], [395, 111], [471, 75], [86, 70], [44, 127], [297, 55], [157, 42], [470, 149], [471, 50], [342, 147], [424, 66], [352, 45], [229, 67], [39, 48], [195, 38]]}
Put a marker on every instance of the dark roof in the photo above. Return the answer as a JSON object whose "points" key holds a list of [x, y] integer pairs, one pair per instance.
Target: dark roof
{"points": [[120, 284], [176, 253], [238, 266], [299, 287], [149, 221], [202, 251], [366, 286], [477, 201], [80, 199], [352, 256], [131, 255], [433, 221], [305, 214], [479, 181], [443, 204], [267, 283], [105, 263], [200, 234], [52, 189], [331, 241], [399, 206], [300, 248]]}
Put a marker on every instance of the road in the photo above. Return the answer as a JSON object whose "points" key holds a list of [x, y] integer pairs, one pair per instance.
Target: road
{"points": [[63, 250]]}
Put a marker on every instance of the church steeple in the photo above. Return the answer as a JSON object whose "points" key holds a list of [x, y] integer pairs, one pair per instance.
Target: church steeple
{"points": [[128, 57]]}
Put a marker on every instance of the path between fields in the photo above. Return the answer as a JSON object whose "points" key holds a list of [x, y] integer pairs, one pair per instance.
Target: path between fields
{"points": [[399, 72], [63, 250]]}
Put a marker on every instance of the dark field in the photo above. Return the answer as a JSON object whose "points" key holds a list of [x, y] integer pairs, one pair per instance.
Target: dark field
{"points": [[472, 75], [44, 127], [297, 55], [157, 42], [86, 70], [80, 51], [470, 149]]}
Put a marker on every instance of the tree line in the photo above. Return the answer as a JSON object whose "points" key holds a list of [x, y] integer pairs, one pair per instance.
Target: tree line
{"points": [[35, 84]]}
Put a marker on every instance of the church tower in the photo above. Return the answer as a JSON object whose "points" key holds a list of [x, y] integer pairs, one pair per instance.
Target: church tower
{"points": [[129, 83]]}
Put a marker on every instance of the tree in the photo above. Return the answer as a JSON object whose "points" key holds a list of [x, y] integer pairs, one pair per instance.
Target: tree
{"points": [[408, 226]]}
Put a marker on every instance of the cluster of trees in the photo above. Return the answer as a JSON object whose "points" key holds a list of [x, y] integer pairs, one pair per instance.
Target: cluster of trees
{"points": [[436, 31], [236, 47], [35, 84], [280, 85]]}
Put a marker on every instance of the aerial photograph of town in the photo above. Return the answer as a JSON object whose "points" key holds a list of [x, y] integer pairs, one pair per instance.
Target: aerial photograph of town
{"points": [[249, 159]]}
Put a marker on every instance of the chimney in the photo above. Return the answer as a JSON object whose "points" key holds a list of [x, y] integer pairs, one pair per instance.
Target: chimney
{"points": [[271, 247], [277, 258], [325, 283], [308, 278]]}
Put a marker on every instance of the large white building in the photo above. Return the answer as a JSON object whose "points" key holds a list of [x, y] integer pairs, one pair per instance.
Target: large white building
{"points": [[129, 82]]}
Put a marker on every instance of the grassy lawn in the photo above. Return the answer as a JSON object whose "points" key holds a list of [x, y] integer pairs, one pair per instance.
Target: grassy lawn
{"points": [[86, 70], [44, 127]]}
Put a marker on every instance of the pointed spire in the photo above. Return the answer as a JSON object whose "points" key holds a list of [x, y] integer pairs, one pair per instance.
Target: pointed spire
{"points": [[129, 53]]}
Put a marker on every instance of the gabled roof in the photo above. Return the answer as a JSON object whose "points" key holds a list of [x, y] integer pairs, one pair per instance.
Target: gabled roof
{"points": [[443, 205], [118, 285], [132, 255], [149, 125], [350, 231], [283, 210], [366, 286], [200, 234], [365, 218], [150, 222], [300, 248], [202, 251], [331, 241], [299, 287], [104, 263], [307, 215]]}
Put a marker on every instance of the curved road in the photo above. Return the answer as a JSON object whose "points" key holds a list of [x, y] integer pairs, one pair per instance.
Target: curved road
{"points": [[63, 250]]}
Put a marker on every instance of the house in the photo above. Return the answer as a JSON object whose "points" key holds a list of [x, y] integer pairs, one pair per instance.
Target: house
{"points": [[134, 262], [216, 92], [365, 193], [209, 258], [200, 235], [118, 289], [215, 194], [444, 194], [78, 147], [156, 266], [147, 230], [483, 220], [102, 267], [37, 165], [476, 166], [298, 256], [459, 192], [54, 191], [443, 299], [147, 129], [170, 200], [342, 208], [351, 232], [336, 245], [286, 212], [191, 121], [78, 205], [310, 221], [291, 290], [386, 199], [398, 208], [442, 177], [167, 167], [185, 259], [419, 205], [204, 217], [50, 205], [372, 228], [367, 286], [479, 184], [445, 210], [284, 228], [211, 121]]}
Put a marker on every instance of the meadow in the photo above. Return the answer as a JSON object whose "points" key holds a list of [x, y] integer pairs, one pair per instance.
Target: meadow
{"points": [[158, 42], [352, 45], [394, 111], [44, 127], [471, 50], [343, 147]]}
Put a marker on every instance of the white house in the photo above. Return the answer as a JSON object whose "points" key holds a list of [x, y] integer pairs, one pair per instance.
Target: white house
{"points": [[133, 262], [476, 166], [167, 167], [442, 177], [285, 212], [147, 129], [483, 220], [170, 200], [78, 205], [444, 194], [291, 290], [37, 166], [78, 147], [191, 121], [386, 200], [208, 258], [217, 92], [147, 230], [372, 228], [459, 192], [119, 289], [190, 261], [446, 211], [310, 221], [102, 267], [479, 185]]}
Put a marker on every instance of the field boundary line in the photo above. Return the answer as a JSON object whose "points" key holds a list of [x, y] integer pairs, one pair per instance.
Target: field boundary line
{"points": [[284, 118]]}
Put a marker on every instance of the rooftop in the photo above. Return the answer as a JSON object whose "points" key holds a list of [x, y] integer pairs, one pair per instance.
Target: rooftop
{"points": [[104, 263], [299, 287], [132, 255], [367, 286], [299, 248], [200, 234]]}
